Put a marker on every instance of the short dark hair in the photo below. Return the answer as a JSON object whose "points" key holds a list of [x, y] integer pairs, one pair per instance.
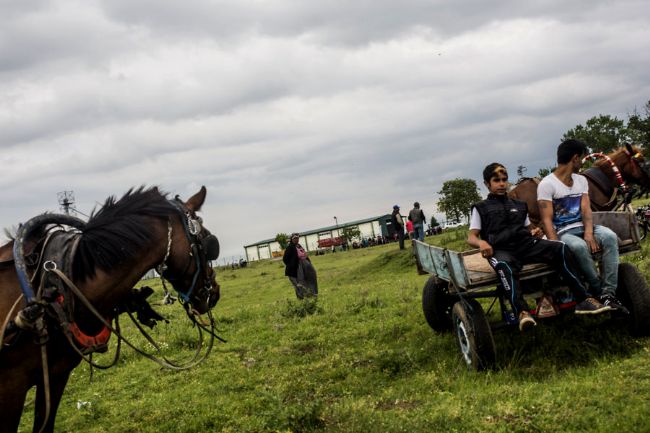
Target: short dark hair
{"points": [[569, 148], [491, 170]]}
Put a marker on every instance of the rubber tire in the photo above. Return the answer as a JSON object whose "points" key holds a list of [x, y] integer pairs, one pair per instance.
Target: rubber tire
{"points": [[436, 304], [473, 335], [634, 293]]}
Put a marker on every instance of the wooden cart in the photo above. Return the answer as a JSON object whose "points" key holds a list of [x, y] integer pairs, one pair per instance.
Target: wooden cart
{"points": [[458, 279]]}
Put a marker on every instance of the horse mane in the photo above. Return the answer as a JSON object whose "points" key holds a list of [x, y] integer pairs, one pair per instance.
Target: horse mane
{"points": [[119, 230]]}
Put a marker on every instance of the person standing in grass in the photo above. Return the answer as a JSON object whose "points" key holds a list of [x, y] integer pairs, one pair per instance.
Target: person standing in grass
{"points": [[398, 224], [299, 269], [499, 227], [416, 216]]}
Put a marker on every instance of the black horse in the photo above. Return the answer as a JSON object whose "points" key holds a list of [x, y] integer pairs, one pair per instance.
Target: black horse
{"points": [[86, 273]]}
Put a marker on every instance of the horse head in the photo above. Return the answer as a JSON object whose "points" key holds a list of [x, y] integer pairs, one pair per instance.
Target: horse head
{"points": [[190, 250], [635, 166]]}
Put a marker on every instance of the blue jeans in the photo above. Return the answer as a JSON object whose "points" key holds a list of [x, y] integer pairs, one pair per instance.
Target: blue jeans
{"points": [[608, 242], [418, 229]]}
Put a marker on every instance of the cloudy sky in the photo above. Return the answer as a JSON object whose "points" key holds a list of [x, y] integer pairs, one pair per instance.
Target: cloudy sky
{"points": [[292, 112]]}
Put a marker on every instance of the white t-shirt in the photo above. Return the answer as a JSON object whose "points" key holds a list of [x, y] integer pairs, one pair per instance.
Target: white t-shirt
{"points": [[475, 220], [566, 200]]}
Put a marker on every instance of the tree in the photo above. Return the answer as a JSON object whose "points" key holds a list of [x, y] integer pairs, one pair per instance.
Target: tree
{"points": [[349, 233], [457, 197], [282, 239], [639, 127], [602, 133], [521, 172], [543, 172], [434, 222]]}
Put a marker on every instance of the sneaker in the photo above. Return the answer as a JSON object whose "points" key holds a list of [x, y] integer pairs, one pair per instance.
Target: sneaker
{"points": [[613, 303], [591, 306], [526, 321]]}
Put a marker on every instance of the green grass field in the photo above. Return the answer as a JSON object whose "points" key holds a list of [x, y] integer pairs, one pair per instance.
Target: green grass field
{"points": [[362, 359]]}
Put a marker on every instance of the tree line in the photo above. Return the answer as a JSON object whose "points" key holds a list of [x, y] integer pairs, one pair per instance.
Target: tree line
{"points": [[601, 133]]}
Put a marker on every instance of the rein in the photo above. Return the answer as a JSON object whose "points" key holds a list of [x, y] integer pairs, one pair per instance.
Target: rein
{"points": [[163, 361]]}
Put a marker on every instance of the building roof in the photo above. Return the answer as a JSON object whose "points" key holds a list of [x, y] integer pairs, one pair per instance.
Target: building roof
{"points": [[325, 229]]}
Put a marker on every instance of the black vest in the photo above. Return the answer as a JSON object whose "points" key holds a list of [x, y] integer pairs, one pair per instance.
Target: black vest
{"points": [[502, 221]]}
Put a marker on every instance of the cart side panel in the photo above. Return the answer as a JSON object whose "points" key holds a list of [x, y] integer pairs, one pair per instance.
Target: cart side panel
{"points": [[438, 257], [432, 259], [458, 272], [424, 257], [624, 224]]}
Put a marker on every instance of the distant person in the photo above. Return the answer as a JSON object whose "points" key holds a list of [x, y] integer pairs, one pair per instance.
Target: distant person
{"points": [[299, 269], [565, 212], [409, 229], [499, 227], [417, 217], [398, 224]]}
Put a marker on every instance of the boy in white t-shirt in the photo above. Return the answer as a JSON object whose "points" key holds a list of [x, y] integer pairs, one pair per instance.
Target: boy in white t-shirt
{"points": [[565, 212], [499, 227]]}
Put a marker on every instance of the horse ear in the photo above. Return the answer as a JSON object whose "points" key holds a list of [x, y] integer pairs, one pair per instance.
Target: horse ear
{"points": [[196, 201], [628, 146]]}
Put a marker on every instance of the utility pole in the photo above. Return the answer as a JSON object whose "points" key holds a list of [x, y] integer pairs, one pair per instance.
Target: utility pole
{"points": [[66, 201]]}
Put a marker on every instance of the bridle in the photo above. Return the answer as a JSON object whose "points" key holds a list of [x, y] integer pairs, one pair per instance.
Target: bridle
{"points": [[204, 248], [638, 160]]}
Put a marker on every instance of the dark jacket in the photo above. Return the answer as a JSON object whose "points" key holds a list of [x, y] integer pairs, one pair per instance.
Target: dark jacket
{"points": [[416, 215], [502, 221], [291, 260], [395, 222]]}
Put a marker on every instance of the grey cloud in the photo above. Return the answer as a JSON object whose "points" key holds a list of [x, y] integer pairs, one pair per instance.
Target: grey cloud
{"points": [[292, 112]]}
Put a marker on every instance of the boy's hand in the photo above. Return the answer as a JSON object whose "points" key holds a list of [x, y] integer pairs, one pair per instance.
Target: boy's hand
{"points": [[537, 232], [486, 249]]}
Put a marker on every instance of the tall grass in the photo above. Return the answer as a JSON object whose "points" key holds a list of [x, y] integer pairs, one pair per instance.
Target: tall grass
{"points": [[362, 359]]}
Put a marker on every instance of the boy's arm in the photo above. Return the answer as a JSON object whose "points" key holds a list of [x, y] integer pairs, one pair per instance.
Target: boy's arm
{"points": [[535, 231], [546, 217], [474, 240]]}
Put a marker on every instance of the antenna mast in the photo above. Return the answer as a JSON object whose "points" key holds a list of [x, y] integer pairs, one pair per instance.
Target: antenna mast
{"points": [[66, 201]]}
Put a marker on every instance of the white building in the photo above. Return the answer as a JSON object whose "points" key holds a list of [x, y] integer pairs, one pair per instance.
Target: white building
{"points": [[370, 228]]}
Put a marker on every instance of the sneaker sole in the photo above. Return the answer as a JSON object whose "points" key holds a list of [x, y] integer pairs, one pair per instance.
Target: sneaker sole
{"points": [[527, 325], [598, 311]]}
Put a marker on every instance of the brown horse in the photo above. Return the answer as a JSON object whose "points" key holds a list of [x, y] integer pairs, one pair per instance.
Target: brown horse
{"points": [[603, 181], [103, 261]]}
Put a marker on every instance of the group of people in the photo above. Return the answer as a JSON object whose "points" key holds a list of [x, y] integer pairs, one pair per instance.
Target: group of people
{"points": [[414, 224], [501, 229]]}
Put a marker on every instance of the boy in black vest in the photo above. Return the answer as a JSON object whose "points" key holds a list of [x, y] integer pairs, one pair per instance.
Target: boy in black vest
{"points": [[499, 227]]}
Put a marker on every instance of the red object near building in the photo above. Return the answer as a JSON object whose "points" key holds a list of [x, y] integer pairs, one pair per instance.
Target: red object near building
{"points": [[329, 242]]}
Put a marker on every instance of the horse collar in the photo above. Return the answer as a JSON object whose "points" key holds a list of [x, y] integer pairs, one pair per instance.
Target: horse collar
{"points": [[612, 164]]}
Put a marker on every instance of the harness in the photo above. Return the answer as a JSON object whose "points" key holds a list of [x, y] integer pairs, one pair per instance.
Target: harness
{"points": [[54, 294], [612, 164], [604, 182], [204, 247]]}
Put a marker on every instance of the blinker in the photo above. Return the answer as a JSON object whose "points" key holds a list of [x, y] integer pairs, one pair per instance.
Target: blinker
{"points": [[210, 246]]}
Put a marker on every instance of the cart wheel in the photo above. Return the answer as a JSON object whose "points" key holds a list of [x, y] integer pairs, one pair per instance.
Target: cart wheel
{"points": [[634, 293], [474, 335], [436, 304]]}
